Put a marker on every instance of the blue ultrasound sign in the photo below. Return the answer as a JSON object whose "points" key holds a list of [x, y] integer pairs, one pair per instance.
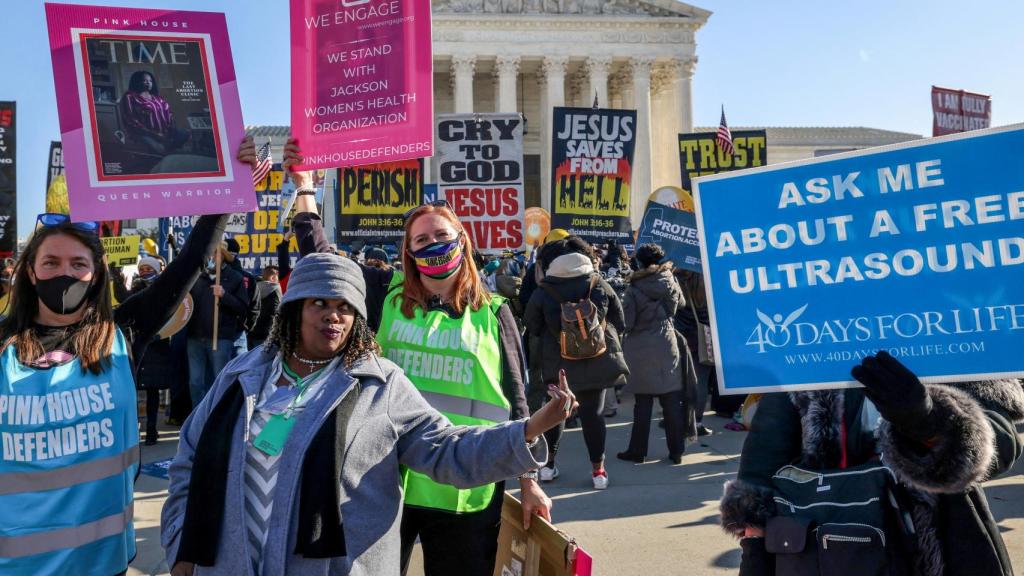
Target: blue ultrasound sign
{"points": [[916, 248]]}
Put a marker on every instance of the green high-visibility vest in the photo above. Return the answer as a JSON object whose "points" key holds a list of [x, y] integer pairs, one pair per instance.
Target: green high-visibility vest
{"points": [[455, 363]]}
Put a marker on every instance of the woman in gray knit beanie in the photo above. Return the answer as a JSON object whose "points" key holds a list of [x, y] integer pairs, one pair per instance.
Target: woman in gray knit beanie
{"points": [[309, 431]]}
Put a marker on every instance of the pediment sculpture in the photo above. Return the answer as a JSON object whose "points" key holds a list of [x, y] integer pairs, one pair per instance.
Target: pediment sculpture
{"points": [[592, 7]]}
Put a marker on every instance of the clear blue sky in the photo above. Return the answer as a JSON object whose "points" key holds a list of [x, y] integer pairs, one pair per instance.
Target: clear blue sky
{"points": [[778, 63]]}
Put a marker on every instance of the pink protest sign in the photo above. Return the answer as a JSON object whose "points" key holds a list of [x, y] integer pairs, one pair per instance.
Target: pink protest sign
{"points": [[149, 112], [362, 81]]}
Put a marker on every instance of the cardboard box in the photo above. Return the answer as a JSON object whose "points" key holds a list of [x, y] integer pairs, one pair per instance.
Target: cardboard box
{"points": [[542, 551]]}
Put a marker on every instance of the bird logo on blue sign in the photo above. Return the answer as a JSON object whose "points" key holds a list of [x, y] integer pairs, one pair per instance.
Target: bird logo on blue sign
{"points": [[776, 328]]}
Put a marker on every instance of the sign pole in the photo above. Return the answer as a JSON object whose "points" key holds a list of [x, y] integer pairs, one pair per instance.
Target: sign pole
{"points": [[216, 299]]}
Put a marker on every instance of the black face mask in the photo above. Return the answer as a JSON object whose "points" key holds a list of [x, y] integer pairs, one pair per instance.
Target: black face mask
{"points": [[63, 294]]}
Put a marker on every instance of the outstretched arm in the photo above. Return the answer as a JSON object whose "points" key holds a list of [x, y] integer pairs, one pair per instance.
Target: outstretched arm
{"points": [[468, 456]]}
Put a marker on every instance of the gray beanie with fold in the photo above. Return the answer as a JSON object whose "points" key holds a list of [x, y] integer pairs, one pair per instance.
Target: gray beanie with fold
{"points": [[326, 275]]}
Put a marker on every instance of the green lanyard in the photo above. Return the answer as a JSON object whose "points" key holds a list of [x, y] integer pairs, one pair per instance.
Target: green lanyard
{"points": [[299, 382], [275, 432]]}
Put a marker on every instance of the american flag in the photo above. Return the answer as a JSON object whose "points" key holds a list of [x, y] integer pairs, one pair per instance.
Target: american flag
{"points": [[263, 164], [724, 138]]}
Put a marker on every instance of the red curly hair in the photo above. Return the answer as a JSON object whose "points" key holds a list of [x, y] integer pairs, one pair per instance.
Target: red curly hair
{"points": [[469, 290]]}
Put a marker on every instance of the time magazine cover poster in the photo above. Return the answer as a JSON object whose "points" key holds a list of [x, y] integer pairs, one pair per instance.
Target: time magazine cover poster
{"points": [[149, 112]]}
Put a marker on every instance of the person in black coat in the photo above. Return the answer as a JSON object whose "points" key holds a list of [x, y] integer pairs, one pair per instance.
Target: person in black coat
{"points": [[250, 281], [688, 319], [569, 266], [941, 441], [268, 292], [160, 368], [204, 362]]}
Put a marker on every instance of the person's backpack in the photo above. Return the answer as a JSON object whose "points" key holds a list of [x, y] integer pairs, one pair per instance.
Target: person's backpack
{"points": [[582, 331]]}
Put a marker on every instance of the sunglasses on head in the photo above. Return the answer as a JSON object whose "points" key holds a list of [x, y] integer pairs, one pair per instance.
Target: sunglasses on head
{"points": [[435, 204], [51, 220]]}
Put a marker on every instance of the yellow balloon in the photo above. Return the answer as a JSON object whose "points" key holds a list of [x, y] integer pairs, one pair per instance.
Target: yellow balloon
{"points": [[57, 196], [149, 246]]}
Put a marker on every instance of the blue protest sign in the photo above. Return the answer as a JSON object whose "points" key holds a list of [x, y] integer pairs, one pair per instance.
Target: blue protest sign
{"points": [[915, 248], [675, 231], [429, 193]]}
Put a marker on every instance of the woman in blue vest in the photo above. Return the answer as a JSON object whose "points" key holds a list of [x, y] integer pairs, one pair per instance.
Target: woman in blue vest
{"points": [[461, 348], [68, 415]]}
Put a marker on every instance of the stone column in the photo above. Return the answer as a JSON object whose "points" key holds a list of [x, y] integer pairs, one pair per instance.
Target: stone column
{"points": [[664, 132], [553, 90], [682, 90], [462, 70], [506, 71], [578, 84], [597, 69], [640, 67], [617, 91]]}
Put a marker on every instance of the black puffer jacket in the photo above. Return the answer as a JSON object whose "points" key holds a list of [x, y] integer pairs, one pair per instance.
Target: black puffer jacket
{"points": [[542, 319], [161, 367], [957, 535], [269, 295]]}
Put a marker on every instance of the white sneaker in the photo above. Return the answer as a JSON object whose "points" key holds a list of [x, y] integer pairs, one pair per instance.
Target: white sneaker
{"points": [[547, 474], [600, 480]]}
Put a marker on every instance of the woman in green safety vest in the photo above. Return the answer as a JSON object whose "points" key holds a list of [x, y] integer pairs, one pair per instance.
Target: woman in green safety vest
{"points": [[67, 398], [461, 348]]}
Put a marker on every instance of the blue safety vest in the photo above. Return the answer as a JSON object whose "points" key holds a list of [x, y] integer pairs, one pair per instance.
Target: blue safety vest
{"points": [[67, 467]]}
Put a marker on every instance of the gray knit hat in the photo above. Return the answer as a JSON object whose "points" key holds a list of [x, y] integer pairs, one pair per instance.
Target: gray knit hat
{"points": [[326, 275]]}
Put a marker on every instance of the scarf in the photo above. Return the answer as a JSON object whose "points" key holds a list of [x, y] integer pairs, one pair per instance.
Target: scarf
{"points": [[320, 530]]}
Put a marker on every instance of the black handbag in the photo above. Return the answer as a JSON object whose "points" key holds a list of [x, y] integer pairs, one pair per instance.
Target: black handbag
{"points": [[835, 522]]}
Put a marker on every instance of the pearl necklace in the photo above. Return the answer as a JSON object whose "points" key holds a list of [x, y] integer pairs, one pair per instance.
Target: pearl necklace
{"points": [[309, 362]]}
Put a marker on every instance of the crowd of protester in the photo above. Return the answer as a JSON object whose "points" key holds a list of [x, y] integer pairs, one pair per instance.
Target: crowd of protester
{"points": [[416, 384]]}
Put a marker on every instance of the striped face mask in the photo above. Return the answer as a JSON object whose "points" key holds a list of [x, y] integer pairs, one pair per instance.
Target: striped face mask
{"points": [[440, 259]]}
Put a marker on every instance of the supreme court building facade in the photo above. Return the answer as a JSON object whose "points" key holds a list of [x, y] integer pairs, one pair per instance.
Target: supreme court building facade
{"points": [[531, 56]]}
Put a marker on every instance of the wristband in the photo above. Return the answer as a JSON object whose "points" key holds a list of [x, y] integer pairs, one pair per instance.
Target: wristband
{"points": [[531, 475], [305, 193]]}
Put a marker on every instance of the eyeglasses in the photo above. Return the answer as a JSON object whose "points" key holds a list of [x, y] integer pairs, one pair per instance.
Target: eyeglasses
{"points": [[435, 204], [51, 220]]}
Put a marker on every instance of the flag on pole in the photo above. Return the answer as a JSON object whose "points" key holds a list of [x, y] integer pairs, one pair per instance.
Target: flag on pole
{"points": [[263, 164], [724, 138]]}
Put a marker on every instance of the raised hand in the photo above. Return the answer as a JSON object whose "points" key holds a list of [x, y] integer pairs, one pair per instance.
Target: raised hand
{"points": [[562, 403], [293, 157], [898, 394], [247, 152]]}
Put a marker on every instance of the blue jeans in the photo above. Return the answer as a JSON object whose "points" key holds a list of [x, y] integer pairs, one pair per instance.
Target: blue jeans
{"points": [[241, 345], [204, 365]]}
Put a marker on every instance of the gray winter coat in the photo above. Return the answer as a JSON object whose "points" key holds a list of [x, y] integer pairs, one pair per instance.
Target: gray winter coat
{"points": [[391, 424], [652, 353]]}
